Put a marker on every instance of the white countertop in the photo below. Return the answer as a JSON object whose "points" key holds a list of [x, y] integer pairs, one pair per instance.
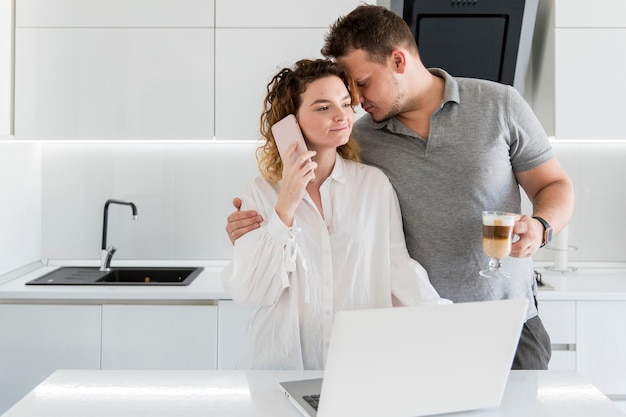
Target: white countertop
{"points": [[205, 287], [256, 393], [586, 283]]}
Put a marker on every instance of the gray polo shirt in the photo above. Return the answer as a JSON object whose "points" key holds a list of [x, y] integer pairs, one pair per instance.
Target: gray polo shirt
{"points": [[482, 134]]}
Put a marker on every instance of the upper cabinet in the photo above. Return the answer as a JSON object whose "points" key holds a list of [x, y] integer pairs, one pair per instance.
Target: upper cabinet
{"points": [[253, 40], [246, 60], [114, 83], [156, 69], [114, 69], [589, 42], [281, 13], [590, 14], [115, 13]]}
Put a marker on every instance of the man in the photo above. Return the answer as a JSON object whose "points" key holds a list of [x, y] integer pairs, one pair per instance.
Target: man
{"points": [[451, 147]]}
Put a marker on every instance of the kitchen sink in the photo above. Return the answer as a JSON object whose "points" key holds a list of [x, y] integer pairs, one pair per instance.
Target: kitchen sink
{"points": [[119, 276]]}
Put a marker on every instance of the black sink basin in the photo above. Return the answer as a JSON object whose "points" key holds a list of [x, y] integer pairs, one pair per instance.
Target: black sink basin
{"points": [[119, 276]]}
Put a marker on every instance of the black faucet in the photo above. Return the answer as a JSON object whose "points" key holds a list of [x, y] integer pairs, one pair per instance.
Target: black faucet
{"points": [[107, 253]]}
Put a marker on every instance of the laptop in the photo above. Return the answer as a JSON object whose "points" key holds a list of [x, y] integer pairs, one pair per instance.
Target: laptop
{"points": [[415, 361]]}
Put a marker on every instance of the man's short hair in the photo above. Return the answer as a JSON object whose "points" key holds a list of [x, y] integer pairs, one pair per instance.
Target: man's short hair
{"points": [[374, 29]]}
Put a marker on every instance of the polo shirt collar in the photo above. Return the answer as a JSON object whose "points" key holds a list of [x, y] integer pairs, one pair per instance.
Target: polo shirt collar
{"points": [[450, 94]]}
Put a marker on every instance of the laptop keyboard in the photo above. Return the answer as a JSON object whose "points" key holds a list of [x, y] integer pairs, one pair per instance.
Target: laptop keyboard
{"points": [[313, 400]]}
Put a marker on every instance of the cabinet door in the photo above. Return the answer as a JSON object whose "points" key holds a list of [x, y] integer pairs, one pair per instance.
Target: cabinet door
{"points": [[590, 14], [281, 13], [233, 323], [176, 337], [601, 347], [36, 340], [559, 319], [250, 69], [114, 83], [115, 13], [588, 103]]}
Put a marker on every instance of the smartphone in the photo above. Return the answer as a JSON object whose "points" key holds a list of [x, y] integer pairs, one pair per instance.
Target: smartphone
{"points": [[286, 132]]}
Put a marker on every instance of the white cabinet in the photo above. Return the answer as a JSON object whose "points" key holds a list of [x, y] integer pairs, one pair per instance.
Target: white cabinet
{"points": [[260, 54], [157, 69], [114, 83], [36, 340], [591, 14], [232, 326], [115, 13], [559, 319], [589, 42], [281, 13], [267, 36], [590, 337], [601, 344], [114, 69], [176, 337], [588, 92]]}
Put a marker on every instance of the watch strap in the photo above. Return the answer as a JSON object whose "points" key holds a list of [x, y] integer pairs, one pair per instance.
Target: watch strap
{"points": [[547, 230]]}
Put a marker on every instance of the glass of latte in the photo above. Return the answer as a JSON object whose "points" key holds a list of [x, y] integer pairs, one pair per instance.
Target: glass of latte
{"points": [[497, 240]]}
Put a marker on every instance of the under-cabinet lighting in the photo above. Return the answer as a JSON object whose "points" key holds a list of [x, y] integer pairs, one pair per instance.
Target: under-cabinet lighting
{"points": [[129, 141], [12, 139], [586, 141]]}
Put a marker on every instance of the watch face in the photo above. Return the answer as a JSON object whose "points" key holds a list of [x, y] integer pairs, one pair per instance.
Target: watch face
{"points": [[548, 235]]}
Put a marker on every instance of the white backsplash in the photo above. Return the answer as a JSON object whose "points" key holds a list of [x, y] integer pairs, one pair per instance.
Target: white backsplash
{"points": [[597, 229], [20, 204], [183, 193]]}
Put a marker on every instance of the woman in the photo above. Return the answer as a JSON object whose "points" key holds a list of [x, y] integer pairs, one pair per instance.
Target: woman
{"points": [[332, 236]]}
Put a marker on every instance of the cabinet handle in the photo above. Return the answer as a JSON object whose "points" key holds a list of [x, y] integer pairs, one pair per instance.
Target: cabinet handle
{"points": [[570, 347]]}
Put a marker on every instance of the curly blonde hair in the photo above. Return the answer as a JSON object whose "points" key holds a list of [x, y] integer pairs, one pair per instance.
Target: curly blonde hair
{"points": [[283, 98]]}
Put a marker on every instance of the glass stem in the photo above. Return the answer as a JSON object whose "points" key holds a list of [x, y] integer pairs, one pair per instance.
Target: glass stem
{"points": [[495, 264]]}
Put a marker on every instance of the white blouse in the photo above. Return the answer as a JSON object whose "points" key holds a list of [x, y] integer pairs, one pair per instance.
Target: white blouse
{"points": [[296, 278]]}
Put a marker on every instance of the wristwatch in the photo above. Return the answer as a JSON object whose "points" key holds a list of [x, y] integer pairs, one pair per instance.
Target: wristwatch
{"points": [[547, 231]]}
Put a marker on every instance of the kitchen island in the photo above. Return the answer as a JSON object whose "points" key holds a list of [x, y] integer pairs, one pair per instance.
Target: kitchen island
{"points": [[256, 393]]}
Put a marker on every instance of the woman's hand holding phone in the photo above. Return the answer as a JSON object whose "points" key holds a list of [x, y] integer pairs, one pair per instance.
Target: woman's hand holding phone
{"points": [[298, 167], [298, 171]]}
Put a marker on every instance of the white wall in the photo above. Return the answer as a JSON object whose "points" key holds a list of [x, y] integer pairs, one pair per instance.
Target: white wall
{"points": [[6, 67], [20, 204], [183, 194], [597, 228], [20, 169]]}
